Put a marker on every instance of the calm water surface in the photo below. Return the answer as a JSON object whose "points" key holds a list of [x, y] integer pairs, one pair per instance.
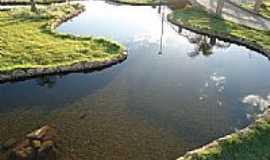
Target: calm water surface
{"points": [[175, 92]]}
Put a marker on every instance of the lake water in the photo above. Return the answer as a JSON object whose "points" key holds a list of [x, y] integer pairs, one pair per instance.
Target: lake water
{"points": [[175, 92]]}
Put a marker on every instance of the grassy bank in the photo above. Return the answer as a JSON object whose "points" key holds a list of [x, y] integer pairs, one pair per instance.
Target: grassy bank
{"points": [[264, 11], [199, 20], [27, 2], [251, 143], [28, 40]]}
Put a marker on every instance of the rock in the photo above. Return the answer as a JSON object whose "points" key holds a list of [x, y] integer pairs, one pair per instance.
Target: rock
{"points": [[38, 145], [18, 155], [46, 145], [9, 144], [47, 151], [43, 134]]}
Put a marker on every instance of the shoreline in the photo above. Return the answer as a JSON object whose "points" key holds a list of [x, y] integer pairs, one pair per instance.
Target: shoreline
{"points": [[22, 74], [14, 3], [191, 155], [223, 37], [26, 73]]}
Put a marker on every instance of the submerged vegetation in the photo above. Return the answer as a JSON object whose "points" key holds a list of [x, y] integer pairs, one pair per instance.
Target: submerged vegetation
{"points": [[201, 20], [35, 44]]}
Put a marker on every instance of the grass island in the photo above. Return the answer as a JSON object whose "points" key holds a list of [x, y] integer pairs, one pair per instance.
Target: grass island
{"points": [[37, 49]]}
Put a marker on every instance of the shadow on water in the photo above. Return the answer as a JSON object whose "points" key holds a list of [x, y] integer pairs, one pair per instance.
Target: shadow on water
{"points": [[47, 81], [44, 92]]}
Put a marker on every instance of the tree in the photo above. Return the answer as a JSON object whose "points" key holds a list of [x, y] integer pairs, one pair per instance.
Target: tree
{"points": [[33, 6], [220, 5], [257, 6]]}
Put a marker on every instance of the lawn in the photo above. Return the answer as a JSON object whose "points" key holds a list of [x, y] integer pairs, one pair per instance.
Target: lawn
{"points": [[142, 2], [254, 143], [28, 40], [264, 11], [200, 20]]}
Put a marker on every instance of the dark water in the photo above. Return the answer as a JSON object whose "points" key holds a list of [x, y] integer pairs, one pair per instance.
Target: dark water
{"points": [[175, 92]]}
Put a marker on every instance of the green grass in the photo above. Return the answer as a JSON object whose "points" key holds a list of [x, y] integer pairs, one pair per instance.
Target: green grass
{"points": [[253, 145], [201, 20], [28, 1], [28, 41], [264, 11]]}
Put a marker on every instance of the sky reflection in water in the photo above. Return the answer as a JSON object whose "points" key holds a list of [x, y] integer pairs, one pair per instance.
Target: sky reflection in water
{"points": [[181, 85]]}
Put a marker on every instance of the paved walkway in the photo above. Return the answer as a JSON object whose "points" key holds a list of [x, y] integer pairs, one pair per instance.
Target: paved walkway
{"points": [[235, 14]]}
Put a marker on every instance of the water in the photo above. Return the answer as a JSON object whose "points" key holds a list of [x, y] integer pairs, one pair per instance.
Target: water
{"points": [[174, 93]]}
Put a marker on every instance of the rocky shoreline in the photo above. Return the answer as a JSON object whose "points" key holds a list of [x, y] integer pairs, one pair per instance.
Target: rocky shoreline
{"points": [[25, 73], [224, 37]]}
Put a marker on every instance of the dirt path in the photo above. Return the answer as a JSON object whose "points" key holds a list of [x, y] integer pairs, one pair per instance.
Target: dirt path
{"points": [[236, 14]]}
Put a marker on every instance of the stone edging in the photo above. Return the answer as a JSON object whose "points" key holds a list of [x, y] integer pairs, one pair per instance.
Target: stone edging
{"points": [[191, 155], [224, 37], [25, 73]]}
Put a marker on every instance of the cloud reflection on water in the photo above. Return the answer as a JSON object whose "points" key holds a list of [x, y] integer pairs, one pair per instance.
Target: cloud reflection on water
{"points": [[257, 101]]}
